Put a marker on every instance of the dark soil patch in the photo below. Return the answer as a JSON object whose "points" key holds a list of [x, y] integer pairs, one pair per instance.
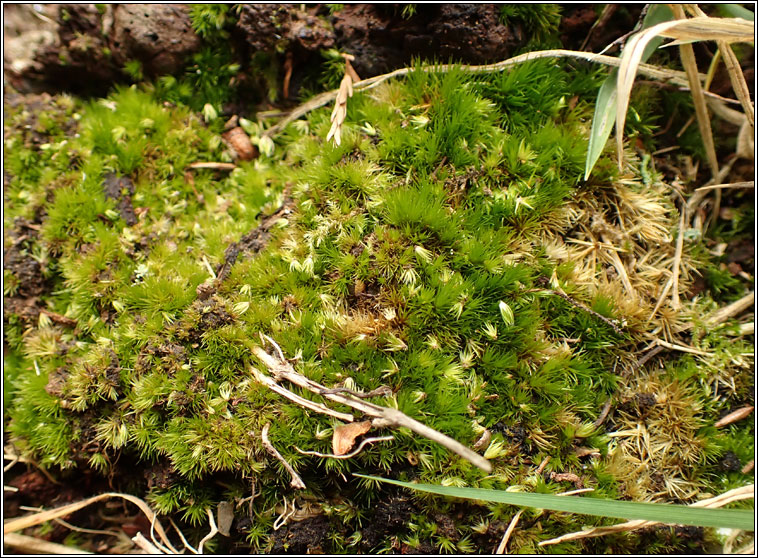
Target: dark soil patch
{"points": [[252, 243], [302, 537], [121, 189], [391, 516]]}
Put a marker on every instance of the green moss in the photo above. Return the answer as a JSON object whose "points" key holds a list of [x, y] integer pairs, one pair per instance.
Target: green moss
{"points": [[422, 253]]}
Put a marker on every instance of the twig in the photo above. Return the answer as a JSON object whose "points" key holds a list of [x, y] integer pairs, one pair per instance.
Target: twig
{"points": [[217, 166], [140, 540], [677, 77], [32, 545], [514, 521], [302, 401], [603, 414], [187, 545], [543, 465], [17, 524], [281, 521], [347, 455], [387, 416], [587, 309], [212, 533], [683, 348], [748, 184], [296, 481], [732, 309], [643, 359], [742, 493], [734, 416], [508, 531], [677, 260]]}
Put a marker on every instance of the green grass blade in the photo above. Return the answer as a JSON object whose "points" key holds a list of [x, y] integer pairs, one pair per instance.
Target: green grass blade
{"points": [[736, 10], [665, 513], [605, 106], [602, 121]]}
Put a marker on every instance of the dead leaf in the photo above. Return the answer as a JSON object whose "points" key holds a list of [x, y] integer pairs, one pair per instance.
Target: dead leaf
{"points": [[344, 436], [734, 416]]}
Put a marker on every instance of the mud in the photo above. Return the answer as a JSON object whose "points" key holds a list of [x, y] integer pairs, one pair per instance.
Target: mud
{"points": [[272, 27], [391, 517]]}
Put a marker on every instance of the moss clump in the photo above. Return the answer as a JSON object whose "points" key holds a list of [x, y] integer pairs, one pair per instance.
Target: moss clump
{"points": [[427, 253]]}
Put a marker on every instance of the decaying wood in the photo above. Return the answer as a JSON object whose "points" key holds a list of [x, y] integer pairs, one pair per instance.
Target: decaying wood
{"points": [[383, 416]]}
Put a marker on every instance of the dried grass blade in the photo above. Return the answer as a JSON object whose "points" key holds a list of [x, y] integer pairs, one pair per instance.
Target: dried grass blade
{"points": [[742, 493], [738, 81], [32, 545], [35, 519], [699, 28], [687, 55]]}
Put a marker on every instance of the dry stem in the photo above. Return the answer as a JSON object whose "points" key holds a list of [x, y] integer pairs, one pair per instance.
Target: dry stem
{"points": [[676, 77], [296, 481], [742, 493], [353, 453], [281, 369]]}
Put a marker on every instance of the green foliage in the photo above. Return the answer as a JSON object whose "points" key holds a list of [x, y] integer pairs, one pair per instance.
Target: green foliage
{"points": [[539, 20], [413, 255], [209, 20]]}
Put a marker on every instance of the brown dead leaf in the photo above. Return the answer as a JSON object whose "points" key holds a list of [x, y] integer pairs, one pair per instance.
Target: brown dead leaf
{"points": [[734, 416], [344, 436]]}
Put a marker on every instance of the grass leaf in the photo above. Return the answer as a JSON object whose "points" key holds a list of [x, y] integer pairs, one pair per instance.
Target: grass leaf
{"points": [[602, 121], [664, 513]]}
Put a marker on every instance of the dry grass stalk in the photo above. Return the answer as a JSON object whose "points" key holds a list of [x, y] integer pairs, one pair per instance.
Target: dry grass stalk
{"points": [[733, 309], [733, 68], [695, 29], [746, 184], [340, 104], [742, 493], [508, 531], [677, 260], [212, 533], [383, 416], [687, 55], [296, 481], [673, 76], [32, 545], [17, 524]]}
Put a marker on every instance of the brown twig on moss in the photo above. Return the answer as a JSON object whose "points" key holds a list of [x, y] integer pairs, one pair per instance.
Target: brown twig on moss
{"points": [[587, 309], [383, 416], [296, 481]]}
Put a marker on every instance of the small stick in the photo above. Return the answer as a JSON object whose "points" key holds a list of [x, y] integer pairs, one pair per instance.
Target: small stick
{"points": [[210, 535], [347, 455], [742, 493], [296, 482], [748, 467], [211, 165], [389, 417], [187, 545], [284, 392], [543, 465], [603, 414], [677, 77], [508, 531], [683, 348], [748, 184], [149, 548], [677, 261], [732, 309], [735, 416], [578, 304], [32, 545]]}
